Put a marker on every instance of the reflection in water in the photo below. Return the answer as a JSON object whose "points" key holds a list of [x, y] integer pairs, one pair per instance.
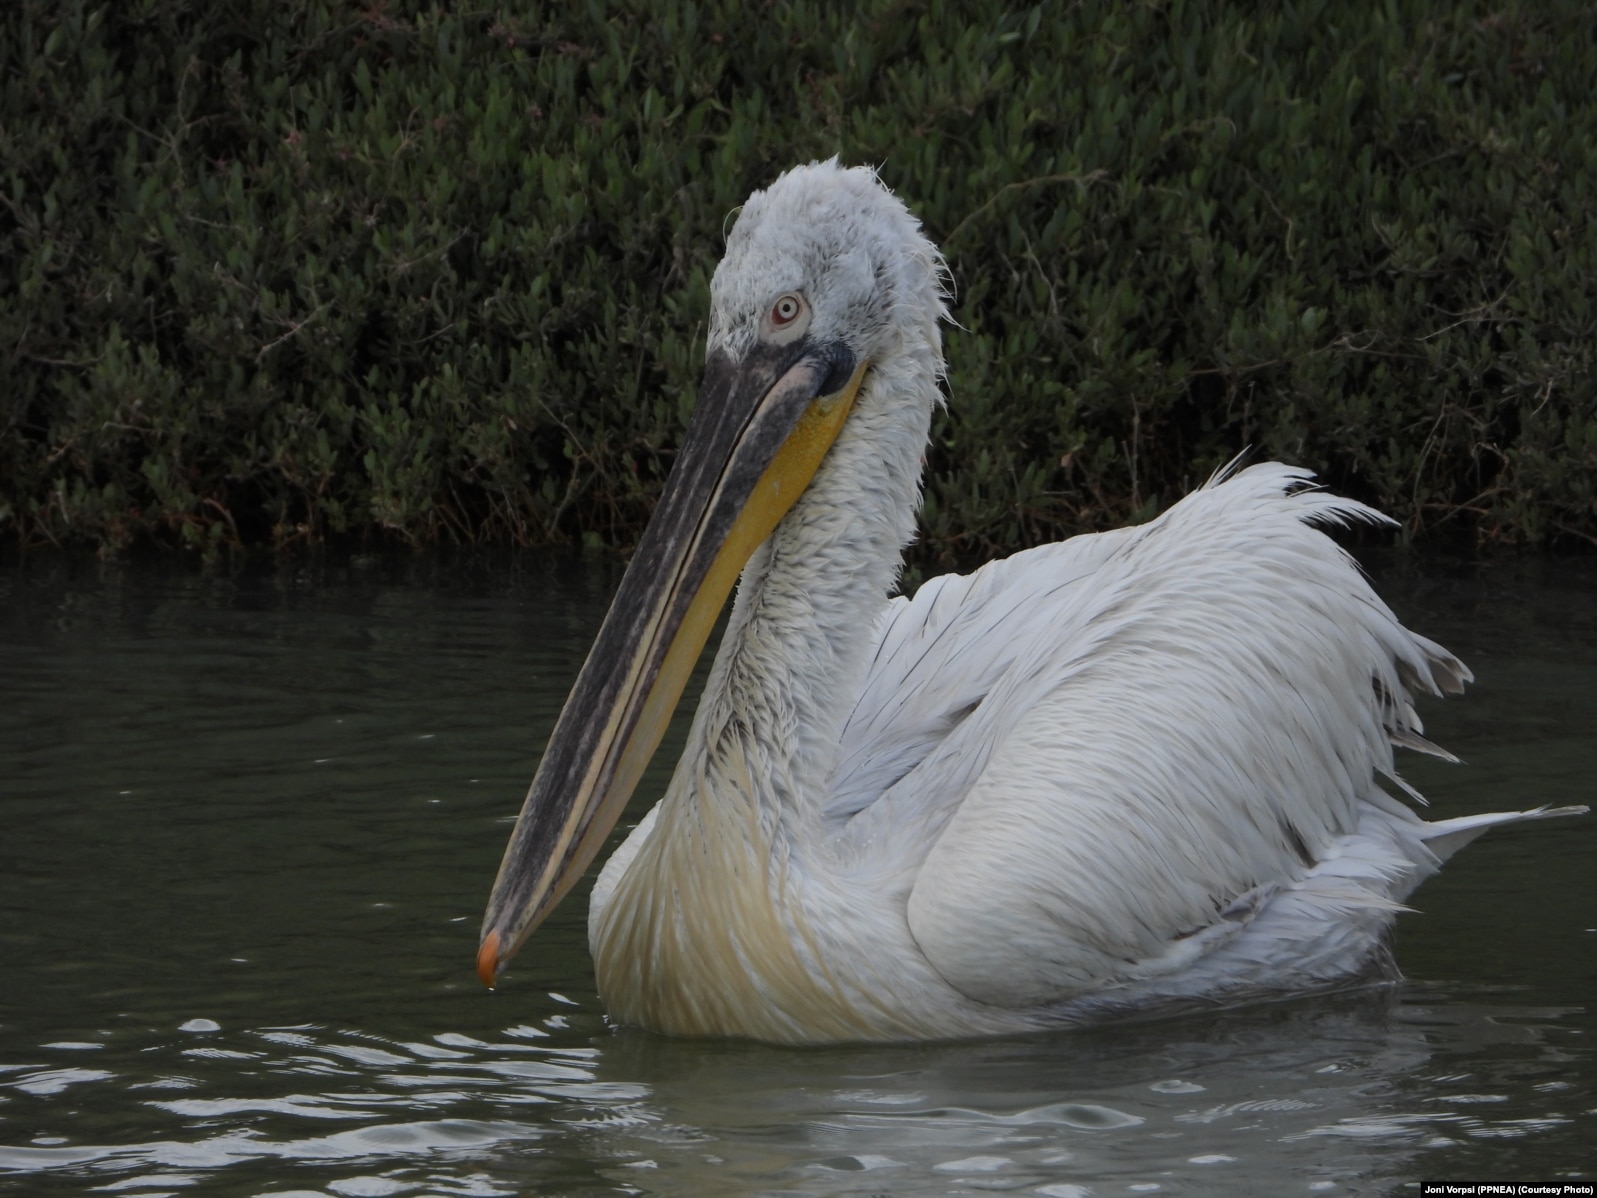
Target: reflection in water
{"points": [[1318, 1092], [249, 824]]}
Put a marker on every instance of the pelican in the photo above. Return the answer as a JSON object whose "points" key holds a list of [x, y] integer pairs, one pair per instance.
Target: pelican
{"points": [[1122, 774]]}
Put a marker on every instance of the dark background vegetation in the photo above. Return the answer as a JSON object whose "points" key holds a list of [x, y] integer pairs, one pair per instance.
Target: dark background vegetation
{"points": [[275, 273]]}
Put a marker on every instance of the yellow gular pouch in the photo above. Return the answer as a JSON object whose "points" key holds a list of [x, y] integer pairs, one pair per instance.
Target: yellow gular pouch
{"points": [[793, 466]]}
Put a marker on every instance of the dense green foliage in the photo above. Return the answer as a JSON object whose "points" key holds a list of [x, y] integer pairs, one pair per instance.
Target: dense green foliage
{"points": [[278, 271]]}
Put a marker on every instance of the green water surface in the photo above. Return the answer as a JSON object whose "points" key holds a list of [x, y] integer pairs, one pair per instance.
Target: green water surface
{"points": [[248, 823]]}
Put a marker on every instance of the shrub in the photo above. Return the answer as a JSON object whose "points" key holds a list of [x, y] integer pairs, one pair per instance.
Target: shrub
{"points": [[282, 272]]}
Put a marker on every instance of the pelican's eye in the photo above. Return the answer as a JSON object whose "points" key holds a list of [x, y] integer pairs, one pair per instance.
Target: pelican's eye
{"points": [[787, 319]]}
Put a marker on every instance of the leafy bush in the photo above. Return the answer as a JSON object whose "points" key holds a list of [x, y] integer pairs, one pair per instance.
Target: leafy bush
{"points": [[281, 272]]}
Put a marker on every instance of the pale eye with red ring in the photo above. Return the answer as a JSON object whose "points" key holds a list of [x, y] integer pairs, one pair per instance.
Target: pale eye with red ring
{"points": [[787, 318]]}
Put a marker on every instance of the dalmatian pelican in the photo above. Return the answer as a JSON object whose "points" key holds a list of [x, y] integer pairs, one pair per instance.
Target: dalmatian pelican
{"points": [[1124, 773]]}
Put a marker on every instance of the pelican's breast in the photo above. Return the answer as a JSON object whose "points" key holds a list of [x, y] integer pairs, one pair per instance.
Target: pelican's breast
{"points": [[696, 930]]}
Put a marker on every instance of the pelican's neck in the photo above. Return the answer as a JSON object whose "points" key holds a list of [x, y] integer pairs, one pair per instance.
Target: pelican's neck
{"points": [[796, 648], [695, 928]]}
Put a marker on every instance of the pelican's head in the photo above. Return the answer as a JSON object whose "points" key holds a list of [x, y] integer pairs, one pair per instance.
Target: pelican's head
{"points": [[847, 248], [827, 279]]}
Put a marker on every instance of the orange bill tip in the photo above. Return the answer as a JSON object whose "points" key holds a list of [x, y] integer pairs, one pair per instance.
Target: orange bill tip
{"points": [[488, 959]]}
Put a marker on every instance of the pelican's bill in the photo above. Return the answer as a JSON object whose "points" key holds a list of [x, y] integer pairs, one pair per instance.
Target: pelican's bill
{"points": [[759, 432]]}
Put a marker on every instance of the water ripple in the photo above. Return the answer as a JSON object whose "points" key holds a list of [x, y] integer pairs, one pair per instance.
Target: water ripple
{"points": [[387, 1084], [48, 1082]]}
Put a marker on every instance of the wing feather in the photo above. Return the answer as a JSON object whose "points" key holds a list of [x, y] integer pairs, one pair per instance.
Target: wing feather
{"points": [[1078, 756]]}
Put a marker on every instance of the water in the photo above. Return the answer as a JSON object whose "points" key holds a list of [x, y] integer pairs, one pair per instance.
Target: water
{"points": [[247, 825]]}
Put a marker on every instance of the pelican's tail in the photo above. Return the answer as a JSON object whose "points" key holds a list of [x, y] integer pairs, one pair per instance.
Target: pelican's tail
{"points": [[1444, 837], [1327, 930]]}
